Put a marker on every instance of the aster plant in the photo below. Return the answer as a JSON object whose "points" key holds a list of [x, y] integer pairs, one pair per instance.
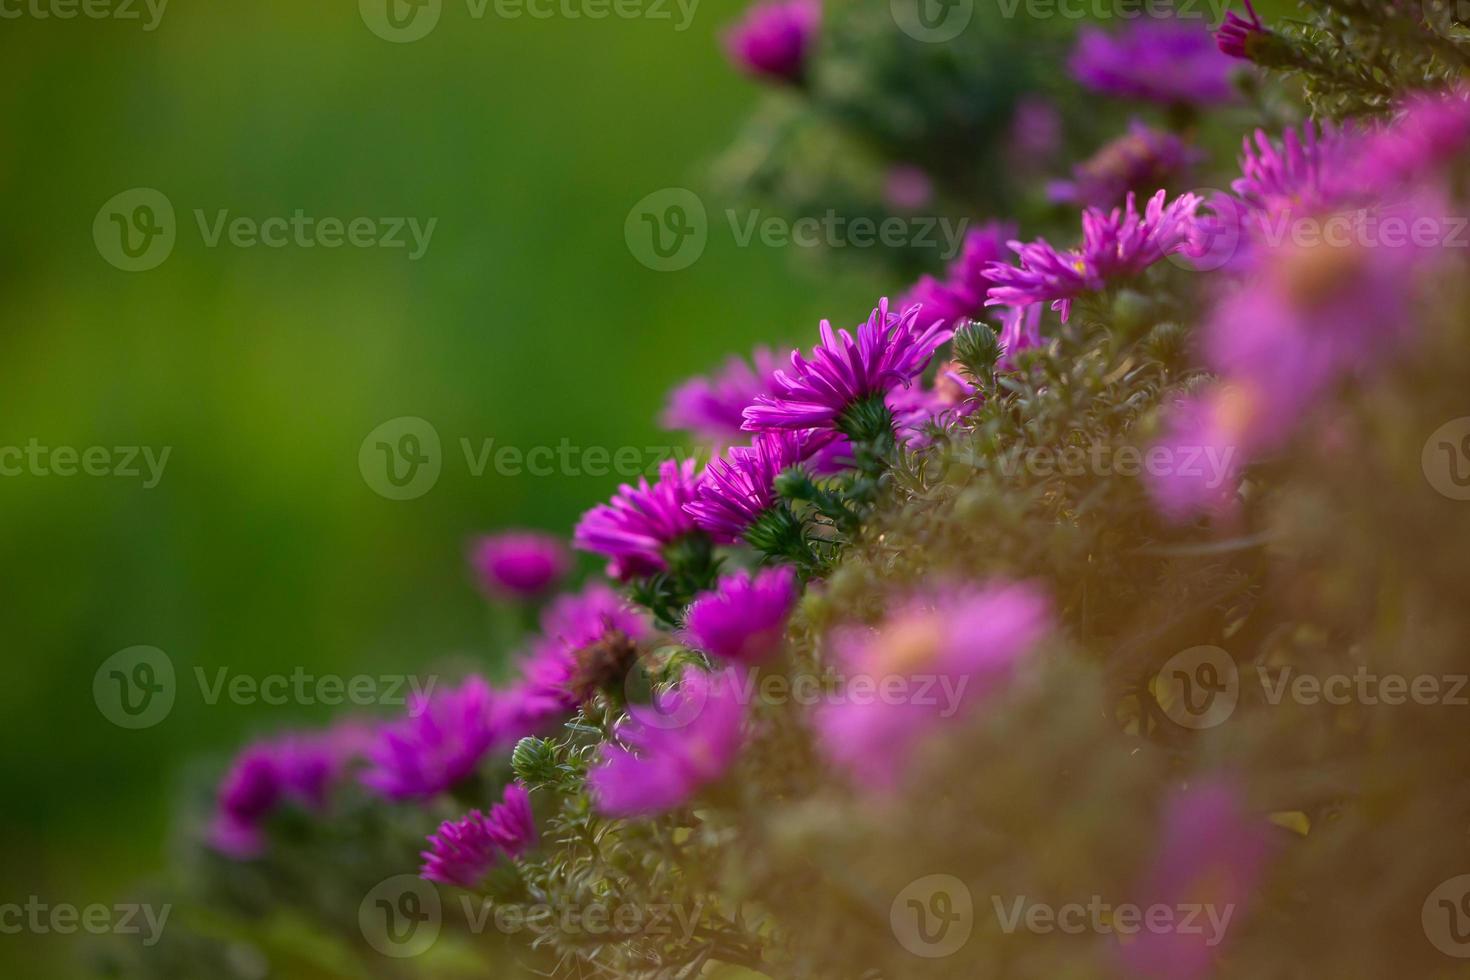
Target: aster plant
{"points": [[1004, 598]]}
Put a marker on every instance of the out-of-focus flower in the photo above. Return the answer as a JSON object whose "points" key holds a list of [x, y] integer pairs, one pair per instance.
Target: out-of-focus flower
{"points": [[744, 618], [1167, 61], [711, 407], [738, 488], [519, 564], [889, 351], [640, 522], [1236, 35], [774, 39], [1036, 131], [1430, 130], [967, 639], [961, 293], [1020, 330], [296, 768], [1140, 159], [907, 187], [1204, 444], [671, 750], [440, 743], [579, 634], [1211, 853], [1116, 245], [463, 851]]}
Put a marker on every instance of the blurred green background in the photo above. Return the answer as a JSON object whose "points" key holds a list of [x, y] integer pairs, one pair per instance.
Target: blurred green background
{"points": [[262, 549]]}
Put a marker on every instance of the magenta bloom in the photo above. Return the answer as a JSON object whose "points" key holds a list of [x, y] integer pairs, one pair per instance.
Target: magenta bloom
{"points": [[961, 293], [640, 522], [464, 850], [1116, 245], [569, 626], [890, 350], [1236, 34], [937, 656], [740, 486], [519, 564], [1140, 159], [297, 768], [1036, 131], [1204, 447], [440, 743], [1302, 173], [1431, 129], [774, 39], [712, 407], [1167, 61], [1020, 330], [743, 619], [1212, 853], [671, 750]]}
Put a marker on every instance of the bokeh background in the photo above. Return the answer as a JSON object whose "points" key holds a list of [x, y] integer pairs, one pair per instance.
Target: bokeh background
{"points": [[263, 550]]}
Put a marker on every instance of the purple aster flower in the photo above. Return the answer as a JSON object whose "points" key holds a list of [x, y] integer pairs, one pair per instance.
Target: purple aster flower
{"points": [[1208, 431], [1168, 61], [961, 293], [1303, 172], [711, 407], [640, 522], [1430, 130], [1236, 34], [968, 638], [519, 564], [775, 38], [739, 487], [464, 850], [890, 350], [671, 750], [1020, 329], [297, 768], [744, 618], [576, 631], [1140, 159], [1211, 852], [1116, 245], [440, 743]]}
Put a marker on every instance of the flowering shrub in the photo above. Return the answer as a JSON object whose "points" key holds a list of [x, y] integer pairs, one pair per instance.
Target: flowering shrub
{"points": [[1093, 612]]}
